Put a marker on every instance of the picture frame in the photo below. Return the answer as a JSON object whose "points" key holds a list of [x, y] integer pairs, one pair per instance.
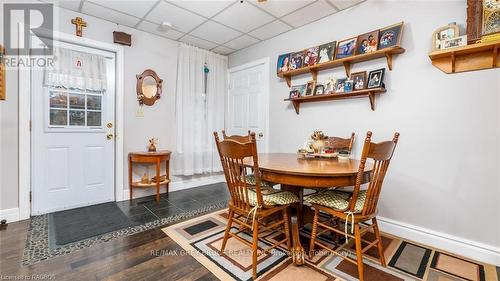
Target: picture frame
{"points": [[2, 73], [376, 78], [367, 42], [310, 56], [454, 42], [310, 87], [283, 63], [390, 36], [483, 23], [346, 48], [358, 80], [443, 33], [296, 60], [339, 87], [326, 52], [348, 86], [297, 91], [319, 89], [330, 84]]}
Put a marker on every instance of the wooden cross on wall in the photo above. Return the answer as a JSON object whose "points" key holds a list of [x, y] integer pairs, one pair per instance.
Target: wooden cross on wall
{"points": [[79, 24]]}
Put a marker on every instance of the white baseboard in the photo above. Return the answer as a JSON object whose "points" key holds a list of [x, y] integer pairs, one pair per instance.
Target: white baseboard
{"points": [[11, 215], [175, 186], [453, 244]]}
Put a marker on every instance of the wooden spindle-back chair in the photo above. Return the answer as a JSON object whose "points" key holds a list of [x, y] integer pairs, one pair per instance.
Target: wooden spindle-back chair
{"points": [[247, 201], [336, 143], [239, 138], [358, 206]]}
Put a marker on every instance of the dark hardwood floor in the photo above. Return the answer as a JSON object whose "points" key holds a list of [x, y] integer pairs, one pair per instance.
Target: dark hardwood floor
{"points": [[149, 255]]}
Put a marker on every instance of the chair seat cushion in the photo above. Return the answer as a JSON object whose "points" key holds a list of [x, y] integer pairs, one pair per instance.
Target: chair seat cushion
{"points": [[337, 200], [250, 180], [273, 199]]}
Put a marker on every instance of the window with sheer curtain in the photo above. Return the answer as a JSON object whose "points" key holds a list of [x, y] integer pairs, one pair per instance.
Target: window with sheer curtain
{"points": [[200, 106]]}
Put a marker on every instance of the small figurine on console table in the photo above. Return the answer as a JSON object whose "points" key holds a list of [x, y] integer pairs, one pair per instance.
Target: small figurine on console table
{"points": [[152, 144]]}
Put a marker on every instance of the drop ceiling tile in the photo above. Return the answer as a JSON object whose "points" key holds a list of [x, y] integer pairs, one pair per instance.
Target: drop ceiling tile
{"points": [[108, 14], [309, 13], [204, 44], [282, 7], [344, 4], [215, 32], [73, 5], [243, 17], [241, 42], [270, 30], [131, 7], [222, 50], [206, 8], [156, 29], [180, 19]]}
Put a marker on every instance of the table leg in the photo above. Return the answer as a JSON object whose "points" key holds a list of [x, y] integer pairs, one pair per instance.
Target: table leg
{"points": [[298, 252], [130, 177], [158, 164], [167, 163]]}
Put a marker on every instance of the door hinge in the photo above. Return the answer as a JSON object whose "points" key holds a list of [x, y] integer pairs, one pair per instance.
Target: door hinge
{"points": [[30, 196], [30, 125]]}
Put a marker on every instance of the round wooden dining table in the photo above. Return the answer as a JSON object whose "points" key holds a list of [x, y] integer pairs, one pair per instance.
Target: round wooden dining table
{"points": [[294, 174]]}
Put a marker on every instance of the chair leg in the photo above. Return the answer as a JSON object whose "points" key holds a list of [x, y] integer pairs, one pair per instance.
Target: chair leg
{"points": [[314, 232], [228, 229], [286, 220], [255, 246], [359, 250], [379, 244]]}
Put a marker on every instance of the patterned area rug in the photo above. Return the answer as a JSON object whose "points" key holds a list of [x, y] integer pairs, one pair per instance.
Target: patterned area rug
{"points": [[201, 237], [38, 244]]}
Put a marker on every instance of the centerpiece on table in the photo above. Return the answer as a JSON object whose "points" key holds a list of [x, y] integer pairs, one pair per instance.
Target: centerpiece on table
{"points": [[316, 147]]}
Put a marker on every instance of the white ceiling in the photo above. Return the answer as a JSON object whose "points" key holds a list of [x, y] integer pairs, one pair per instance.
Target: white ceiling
{"points": [[222, 26]]}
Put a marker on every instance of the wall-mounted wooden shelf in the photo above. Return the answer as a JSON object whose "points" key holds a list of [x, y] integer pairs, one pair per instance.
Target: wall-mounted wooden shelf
{"points": [[345, 62], [467, 58], [370, 93]]}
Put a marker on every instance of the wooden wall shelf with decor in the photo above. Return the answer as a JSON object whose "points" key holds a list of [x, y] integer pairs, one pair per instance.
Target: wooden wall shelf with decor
{"points": [[467, 58], [345, 62], [370, 93]]}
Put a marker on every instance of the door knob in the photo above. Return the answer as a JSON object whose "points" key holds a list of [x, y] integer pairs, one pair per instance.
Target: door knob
{"points": [[109, 136], [109, 125], [261, 135]]}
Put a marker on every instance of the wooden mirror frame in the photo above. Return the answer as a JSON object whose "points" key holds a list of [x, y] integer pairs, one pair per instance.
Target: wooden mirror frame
{"points": [[140, 79], [2, 73]]}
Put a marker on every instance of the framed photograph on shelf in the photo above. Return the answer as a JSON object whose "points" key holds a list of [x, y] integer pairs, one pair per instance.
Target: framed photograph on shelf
{"points": [[346, 48], [310, 87], [296, 60], [376, 78], [367, 42], [348, 86], [283, 64], [339, 88], [330, 84], [454, 42], [443, 33], [327, 52], [390, 36], [297, 91], [319, 89], [358, 80], [310, 56]]}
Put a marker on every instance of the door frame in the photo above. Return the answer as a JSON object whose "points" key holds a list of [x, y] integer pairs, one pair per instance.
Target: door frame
{"points": [[266, 97], [24, 176]]}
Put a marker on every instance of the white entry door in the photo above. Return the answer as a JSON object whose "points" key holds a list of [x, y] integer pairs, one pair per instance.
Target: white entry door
{"points": [[72, 139], [248, 101]]}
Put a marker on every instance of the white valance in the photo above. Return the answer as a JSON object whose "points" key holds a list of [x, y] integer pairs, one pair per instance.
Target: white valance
{"points": [[76, 70]]}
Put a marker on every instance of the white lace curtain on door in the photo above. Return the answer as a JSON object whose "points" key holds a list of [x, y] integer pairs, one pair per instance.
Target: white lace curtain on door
{"points": [[76, 70], [198, 112]]}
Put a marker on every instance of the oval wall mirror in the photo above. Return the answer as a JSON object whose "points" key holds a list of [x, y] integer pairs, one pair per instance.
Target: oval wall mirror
{"points": [[149, 87]]}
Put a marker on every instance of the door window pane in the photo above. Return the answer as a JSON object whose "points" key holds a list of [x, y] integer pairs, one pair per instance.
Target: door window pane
{"points": [[76, 101], [58, 100], [94, 102], [58, 117], [77, 118], [94, 118]]}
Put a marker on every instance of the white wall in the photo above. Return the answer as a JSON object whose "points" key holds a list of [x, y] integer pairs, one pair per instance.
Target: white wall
{"points": [[147, 51], [445, 173]]}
